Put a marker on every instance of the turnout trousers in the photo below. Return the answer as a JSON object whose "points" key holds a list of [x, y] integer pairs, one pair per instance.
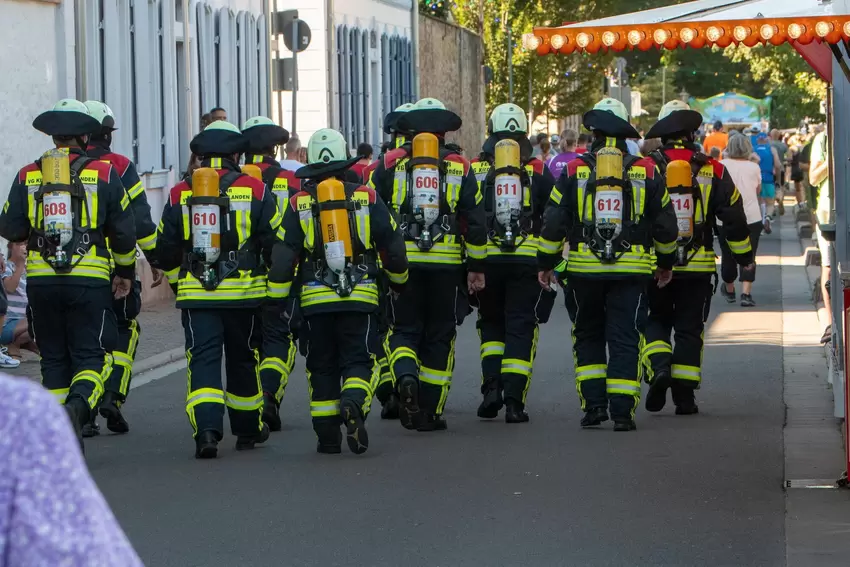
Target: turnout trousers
{"points": [[75, 330], [508, 326], [421, 342], [126, 310], [278, 352], [612, 313], [386, 384], [682, 308], [237, 332], [340, 365]]}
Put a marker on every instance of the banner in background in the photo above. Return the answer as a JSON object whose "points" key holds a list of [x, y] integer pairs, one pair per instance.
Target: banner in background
{"points": [[733, 108]]}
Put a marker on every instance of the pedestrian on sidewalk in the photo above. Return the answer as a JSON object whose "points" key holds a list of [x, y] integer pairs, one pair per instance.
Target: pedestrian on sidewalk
{"points": [[6, 361], [747, 177], [14, 331]]}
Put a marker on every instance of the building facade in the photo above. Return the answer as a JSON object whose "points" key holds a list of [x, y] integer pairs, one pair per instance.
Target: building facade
{"points": [[360, 65]]}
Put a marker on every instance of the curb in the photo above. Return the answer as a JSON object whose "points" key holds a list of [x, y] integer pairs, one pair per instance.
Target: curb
{"points": [[158, 360]]}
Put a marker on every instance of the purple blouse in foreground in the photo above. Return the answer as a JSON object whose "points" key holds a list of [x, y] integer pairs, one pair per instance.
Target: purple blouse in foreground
{"points": [[51, 512]]}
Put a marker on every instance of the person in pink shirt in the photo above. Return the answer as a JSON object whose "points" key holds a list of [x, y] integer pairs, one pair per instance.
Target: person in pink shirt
{"points": [[567, 149]]}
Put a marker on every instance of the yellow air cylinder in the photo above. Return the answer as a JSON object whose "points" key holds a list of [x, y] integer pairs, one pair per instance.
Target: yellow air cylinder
{"points": [[679, 174], [55, 167], [425, 199], [336, 231], [609, 163], [205, 219], [252, 170], [507, 154], [509, 190]]}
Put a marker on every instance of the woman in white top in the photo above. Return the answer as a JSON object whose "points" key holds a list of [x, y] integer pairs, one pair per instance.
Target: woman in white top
{"points": [[747, 178]]}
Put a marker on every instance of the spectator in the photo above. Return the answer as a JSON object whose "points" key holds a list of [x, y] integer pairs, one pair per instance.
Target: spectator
{"points": [[206, 120], [650, 145], [819, 178], [218, 113], [293, 150], [195, 161], [567, 148], [583, 141], [364, 152], [747, 178], [782, 151], [14, 331], [51, 512], [715, 152], [633, 147], [544, 149], [6, 361], [717, 138]]}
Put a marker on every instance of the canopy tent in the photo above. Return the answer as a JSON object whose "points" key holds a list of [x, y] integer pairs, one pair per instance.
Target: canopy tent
{"points": [[820, 31], [733, 109]]}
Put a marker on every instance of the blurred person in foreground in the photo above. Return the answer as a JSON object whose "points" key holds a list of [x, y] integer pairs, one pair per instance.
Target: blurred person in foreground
{"points": [[819, 178], [717, 139], [748, 180], [14, 331], [51, 512]]}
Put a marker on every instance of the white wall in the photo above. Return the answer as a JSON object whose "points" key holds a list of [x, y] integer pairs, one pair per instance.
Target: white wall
{"points": [[383, 16], [34, 74]]}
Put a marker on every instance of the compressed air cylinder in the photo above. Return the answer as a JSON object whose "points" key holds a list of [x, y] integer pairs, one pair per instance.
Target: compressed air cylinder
{"points": [[609, 198], [336, 231], [679, 175], [253, 171], [205, 219], [425, 200], [508, 186], [58, 216]]}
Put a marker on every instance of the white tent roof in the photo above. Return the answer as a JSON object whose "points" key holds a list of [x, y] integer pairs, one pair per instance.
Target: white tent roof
{"points": [[707, 10]]}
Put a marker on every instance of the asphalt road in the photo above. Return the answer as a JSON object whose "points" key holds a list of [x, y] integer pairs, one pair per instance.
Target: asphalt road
{"points": [[680, 491]]}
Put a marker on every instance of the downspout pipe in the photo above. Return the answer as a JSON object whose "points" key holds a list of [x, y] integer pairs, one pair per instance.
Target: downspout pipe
{"points": [[331, 51], [187, 70], [414, 26]]}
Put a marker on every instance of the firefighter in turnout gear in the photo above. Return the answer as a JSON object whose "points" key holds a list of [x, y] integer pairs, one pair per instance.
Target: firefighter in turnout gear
{"points": [[701, 190], [64, 206], [516, 188], [386, 391], [215, 242], [278, 350], [335, 231], [613, 209], [126, 309], [433, 192]]}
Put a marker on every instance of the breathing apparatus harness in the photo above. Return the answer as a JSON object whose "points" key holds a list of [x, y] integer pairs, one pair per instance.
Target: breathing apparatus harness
{"points": [[508, 229]]}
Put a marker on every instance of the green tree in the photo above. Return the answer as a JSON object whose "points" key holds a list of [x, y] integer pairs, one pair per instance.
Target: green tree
{"points": [[436, 8]]}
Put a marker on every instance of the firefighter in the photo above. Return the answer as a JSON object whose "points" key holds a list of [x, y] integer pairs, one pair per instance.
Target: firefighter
{"points": [[433, 191], [64, 206], [278, 351], [126, 309], [701, 191], [386, 391], [516, 188], [214, 242], [612, 208], [336, 230]]}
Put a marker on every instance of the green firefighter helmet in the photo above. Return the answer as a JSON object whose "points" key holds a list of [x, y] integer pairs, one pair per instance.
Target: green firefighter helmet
{"points": [[325, 146], [406, 107], [101, 112], [257, 121], [429, 104], [613, 106], [671, 107], [508, 118]]}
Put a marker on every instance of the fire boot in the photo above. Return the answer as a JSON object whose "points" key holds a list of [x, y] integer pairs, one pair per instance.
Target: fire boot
{"points": [[515, 412], [432, 422], [391, 408], [271, 412], [492, 402], [624, 424], [355, 427], [206, 444], [657, 395], [110, 409], [90, 427], [247, 442], [408, 391], [594, 416], [79, 413], [330, 438], [683, 398]]}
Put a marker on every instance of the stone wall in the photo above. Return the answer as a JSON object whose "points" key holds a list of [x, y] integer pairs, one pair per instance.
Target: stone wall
{"points": [[451, 70]]}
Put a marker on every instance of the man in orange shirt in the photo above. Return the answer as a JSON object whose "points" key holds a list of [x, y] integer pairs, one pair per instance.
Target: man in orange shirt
{"points": [[717, 139]]}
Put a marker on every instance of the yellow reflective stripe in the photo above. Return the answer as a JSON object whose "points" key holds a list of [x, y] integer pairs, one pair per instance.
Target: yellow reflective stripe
{"points": [[626, 387], [476, 252], [135, 190], [397, 278], [279, 290], [516, 366], [526, 249], [204, 395], [735, 196], [492, 348], [125, 202], [127, 259], [684, 372], [403, 352], [550, 246], [555, 196], [273, 363], [664, 247], [316, 294], [148, 242], [215, 163], [172, 275], [610, 142], [435, 377], [327, 408], [60, 394], [357, 384], [740, 246], [656, 347], [591, 372], [243, 403], [95, 378]]}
